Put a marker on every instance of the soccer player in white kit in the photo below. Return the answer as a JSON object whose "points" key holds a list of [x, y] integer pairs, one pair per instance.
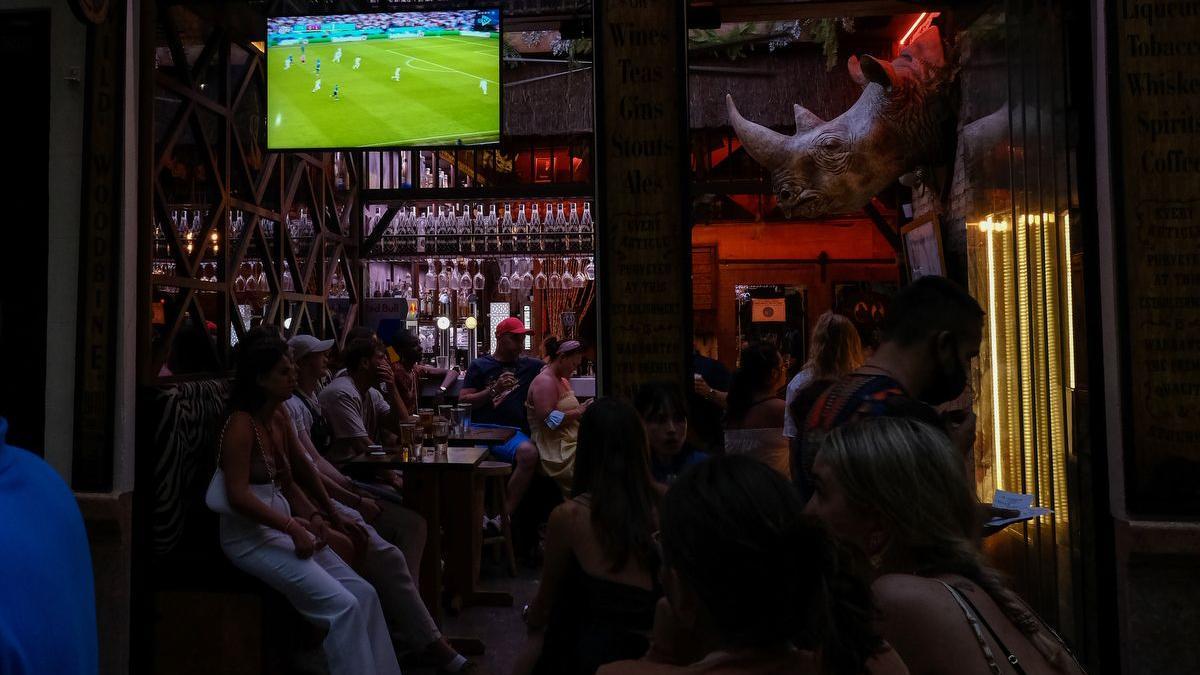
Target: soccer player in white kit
{"points": [[337, 56], [396, 75], [357, 62], [287, 64], [483, 86], [317, 86]]}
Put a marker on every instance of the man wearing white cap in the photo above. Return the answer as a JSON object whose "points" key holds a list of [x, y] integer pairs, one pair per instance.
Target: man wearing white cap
{"points": [[383, 564]]}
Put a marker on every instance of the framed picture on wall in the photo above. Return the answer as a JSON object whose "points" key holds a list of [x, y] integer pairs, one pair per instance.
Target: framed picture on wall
{"points": [[923, 247]]}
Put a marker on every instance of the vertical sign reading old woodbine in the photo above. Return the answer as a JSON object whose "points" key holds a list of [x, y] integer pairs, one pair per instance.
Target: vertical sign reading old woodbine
{"points": [[99, 243], [1157, 92], [641, 141]]}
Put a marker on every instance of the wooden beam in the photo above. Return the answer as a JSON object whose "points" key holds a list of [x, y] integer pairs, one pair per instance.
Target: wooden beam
{"points": [[882, 225]]}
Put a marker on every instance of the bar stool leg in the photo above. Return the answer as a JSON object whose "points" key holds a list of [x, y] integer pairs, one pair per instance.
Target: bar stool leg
{"points": [[506, 524]]}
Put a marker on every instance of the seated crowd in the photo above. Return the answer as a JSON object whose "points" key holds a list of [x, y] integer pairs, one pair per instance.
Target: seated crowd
{"points": [[832, 530]]}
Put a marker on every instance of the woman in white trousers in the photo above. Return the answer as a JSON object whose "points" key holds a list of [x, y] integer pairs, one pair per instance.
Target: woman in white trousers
{"points": [[270, 530]]}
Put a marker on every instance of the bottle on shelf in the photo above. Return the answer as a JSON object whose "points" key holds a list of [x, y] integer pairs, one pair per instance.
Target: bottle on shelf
{"points": [[535, 229], [521, 230], [421, 223], [508, 241], [560, 223]]}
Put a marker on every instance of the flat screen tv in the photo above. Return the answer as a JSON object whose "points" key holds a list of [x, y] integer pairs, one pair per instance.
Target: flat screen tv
{"points": [[383, 80]]}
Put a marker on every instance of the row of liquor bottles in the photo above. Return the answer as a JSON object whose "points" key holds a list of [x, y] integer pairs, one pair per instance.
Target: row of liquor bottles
{"points": [[560, 227]]}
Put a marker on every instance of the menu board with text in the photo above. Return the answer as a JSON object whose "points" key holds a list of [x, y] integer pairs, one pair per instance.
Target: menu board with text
{"points": [[1156, 96], [641, 151]]}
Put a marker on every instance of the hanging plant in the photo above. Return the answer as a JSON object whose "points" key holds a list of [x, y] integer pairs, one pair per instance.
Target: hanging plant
{"points": [[736, 41]]}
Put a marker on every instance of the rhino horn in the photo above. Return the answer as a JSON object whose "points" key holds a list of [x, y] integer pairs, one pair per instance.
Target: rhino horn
{"points": [[806, 120], [767, 147]]}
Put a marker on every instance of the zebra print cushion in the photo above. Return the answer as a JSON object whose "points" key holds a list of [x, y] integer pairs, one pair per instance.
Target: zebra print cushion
{"points": [[187, 419]]}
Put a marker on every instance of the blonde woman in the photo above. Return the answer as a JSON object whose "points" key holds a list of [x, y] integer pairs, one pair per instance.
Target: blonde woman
{"points": [[894, 489], [834, 351], [554, 411]]}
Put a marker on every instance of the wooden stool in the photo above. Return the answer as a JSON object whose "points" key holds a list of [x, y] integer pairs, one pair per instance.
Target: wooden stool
{"points": [[495, 475]]}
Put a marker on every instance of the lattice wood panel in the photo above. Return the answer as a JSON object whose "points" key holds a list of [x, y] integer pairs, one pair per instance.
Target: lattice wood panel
{"points": [[240, 235]]}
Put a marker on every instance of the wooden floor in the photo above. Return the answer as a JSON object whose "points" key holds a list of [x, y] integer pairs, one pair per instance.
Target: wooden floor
{"points": [[500, 628]]}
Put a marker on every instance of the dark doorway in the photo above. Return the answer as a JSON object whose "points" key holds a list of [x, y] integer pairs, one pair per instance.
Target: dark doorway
{"points": [[25, 40]]}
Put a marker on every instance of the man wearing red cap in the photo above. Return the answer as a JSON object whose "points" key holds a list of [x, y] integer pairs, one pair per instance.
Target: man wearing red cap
{"points": [[496, 386]]}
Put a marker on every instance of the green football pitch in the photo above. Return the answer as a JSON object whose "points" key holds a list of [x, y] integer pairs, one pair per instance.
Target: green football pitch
{"points": [[437, 99]]}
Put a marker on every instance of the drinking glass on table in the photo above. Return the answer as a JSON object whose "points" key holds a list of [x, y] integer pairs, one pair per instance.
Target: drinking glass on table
{"points": [[408, 438], [426, 415], [446, 411], [441, 436]]}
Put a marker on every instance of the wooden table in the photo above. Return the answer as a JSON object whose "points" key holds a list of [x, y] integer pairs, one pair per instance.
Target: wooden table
{"points": [[489, 436], [443, 491]]}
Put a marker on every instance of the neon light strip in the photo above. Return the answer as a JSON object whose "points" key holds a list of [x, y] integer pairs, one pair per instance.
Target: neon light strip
{"points": [[993, 337], [1066, 221], [904, 40]]}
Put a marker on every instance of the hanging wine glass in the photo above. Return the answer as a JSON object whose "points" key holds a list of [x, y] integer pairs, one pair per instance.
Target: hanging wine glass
{"points": [[515, 279], [504, 285], [452, 280], [443, 278], [568, 279], [479, 278], [429, 281], [556, 281], [527, 278], [539, 282], [464, 282], [590, 270], [580, 276]]}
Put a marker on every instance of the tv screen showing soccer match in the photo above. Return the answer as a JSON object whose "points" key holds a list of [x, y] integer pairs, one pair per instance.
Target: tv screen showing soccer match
{"points": [[383, 80]]}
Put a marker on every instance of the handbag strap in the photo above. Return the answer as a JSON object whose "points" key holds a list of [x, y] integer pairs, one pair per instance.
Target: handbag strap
{"points": [[975, 619], [257, 439]]}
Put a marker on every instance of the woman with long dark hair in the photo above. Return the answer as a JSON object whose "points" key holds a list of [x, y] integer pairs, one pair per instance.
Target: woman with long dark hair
{"points": [[664, 412], [754, 587], [271, 530], [894, 489], [596, 601], [754, 411]]}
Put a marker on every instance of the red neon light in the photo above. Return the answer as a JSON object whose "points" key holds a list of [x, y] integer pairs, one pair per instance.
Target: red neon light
{"points": [[921, 20]]}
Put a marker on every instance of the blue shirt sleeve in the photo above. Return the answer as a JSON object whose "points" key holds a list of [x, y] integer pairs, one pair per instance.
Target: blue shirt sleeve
{"points": [[475, 378]]}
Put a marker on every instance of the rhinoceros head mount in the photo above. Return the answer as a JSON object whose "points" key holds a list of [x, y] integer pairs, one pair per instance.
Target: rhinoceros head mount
{"points": [[837, 166]]}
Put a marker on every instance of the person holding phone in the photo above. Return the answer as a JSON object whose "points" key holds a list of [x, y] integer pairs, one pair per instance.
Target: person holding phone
{"points": [[496, 386], [554, 411]]}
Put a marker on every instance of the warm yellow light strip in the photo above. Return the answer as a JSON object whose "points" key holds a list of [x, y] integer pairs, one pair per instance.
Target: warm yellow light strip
{"points": [[1051, 262], [1025, 337], [1068, 281], [1011, 359], [993, 336], [1045, 363]]}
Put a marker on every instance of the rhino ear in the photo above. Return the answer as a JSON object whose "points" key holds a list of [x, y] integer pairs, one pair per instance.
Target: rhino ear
{"points": [[806, 119], [879, 72], [856, 72]]}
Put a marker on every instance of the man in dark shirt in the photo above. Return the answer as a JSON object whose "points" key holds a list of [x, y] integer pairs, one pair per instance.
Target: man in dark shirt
{"points": [[707, 401], [931, 333], [496, 386]]}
